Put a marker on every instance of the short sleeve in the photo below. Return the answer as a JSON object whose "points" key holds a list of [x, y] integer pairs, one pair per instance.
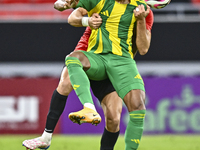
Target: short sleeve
{"points": [[149, 21], [87, 4]]}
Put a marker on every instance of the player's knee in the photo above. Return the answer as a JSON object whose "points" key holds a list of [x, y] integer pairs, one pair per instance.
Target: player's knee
{"points": [[135, 100], [113, 123], [74, 54], [77, 54], [138, 106], [82, 58]]}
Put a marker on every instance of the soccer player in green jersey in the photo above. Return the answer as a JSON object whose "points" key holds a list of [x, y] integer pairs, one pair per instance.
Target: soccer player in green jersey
{"points": [[113, 100], [110, 55]]}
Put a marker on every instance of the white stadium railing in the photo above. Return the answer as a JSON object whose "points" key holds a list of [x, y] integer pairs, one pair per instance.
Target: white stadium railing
{"points": [[54, 69]]}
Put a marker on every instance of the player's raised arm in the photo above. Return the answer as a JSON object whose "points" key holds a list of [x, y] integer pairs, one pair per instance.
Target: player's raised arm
{"points": [[77, 19], [143, 36]]}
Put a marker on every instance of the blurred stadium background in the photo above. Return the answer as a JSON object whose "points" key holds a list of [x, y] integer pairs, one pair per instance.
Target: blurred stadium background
{"points": [[35, 38]]}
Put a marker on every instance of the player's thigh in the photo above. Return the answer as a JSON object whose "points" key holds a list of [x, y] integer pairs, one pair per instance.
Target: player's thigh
{"points": [[112, 106], [110, 101], [97, 70], [124, 75]]}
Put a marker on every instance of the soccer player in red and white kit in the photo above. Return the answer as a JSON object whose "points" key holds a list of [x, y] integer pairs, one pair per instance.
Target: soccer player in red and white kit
{"points": [[103, 90]]}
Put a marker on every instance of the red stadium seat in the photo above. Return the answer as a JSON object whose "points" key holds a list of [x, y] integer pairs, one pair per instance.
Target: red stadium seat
{"points": [[27, 1], [196, 1], [44, 1], [15, 1]]}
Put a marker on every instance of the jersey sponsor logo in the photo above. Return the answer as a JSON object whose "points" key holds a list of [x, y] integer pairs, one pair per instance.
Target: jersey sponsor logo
{"points": [[137, 141], [105, 13], [76, 86]]}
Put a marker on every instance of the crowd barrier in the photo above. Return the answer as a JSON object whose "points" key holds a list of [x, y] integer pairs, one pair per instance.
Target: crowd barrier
{"points": [[172, 106]]}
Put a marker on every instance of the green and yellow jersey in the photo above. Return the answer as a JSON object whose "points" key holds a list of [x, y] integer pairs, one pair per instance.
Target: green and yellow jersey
{"points": [[115, 33]]}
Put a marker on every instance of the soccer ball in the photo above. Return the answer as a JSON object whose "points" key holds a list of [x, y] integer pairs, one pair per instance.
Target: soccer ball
{"points": [[157, 4]]}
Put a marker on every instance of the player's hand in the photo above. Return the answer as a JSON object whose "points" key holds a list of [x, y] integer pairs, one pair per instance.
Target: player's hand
{"points": [[60, 5], [71, 3], [64, 4], [140, 12], [95, 21]]}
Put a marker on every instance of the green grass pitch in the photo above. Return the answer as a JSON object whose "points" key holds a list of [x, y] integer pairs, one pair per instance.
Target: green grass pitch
{"points": [[92, 142]]}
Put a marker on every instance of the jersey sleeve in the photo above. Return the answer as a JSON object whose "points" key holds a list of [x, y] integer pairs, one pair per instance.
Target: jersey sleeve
{"points": [[83, 42], [149, 21], [87, 4]]}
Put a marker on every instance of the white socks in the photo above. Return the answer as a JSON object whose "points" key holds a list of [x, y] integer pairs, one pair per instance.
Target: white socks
{"points": [[46, 137], [91, 106]]}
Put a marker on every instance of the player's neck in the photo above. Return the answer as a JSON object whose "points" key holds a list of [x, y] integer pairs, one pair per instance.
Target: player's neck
{"points": [[123, 1]]}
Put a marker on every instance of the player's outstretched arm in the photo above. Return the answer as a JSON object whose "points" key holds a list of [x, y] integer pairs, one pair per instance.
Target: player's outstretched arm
{"points": [[77, 19], [143, 36]]}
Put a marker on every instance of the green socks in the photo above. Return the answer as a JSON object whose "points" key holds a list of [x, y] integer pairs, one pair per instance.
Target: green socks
{"points": [[134, 129], [79, 79]]}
